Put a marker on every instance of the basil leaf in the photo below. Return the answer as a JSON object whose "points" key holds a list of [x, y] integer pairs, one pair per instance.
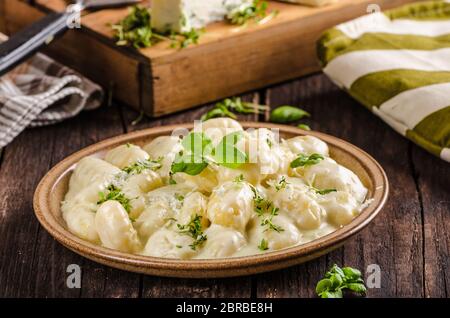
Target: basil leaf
{"points": [[304, 160], [287, 114], [332, 294], [197, 143], [351, 273], [357, 288], [336, 280], [189, 164], [323, 285], [227, 154]]}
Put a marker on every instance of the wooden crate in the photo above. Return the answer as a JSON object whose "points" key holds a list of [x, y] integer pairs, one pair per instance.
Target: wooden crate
{"points": [[228, 60]]}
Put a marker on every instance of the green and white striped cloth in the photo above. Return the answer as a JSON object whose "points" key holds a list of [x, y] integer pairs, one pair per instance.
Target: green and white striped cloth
{"points": [[397, 64]]}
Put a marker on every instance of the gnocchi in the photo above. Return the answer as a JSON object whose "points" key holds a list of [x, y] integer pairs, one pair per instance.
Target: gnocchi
{"points": [[156, 201]]}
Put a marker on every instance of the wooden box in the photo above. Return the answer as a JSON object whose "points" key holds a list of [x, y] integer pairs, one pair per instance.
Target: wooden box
{"points": [[229, 60]]}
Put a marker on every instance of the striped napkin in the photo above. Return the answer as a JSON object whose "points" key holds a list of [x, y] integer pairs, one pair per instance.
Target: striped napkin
{"points": [[397, 64], [42, 92]]}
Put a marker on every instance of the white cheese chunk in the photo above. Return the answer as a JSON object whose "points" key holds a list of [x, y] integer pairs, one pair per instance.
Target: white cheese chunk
{"points": [[185, 15]]}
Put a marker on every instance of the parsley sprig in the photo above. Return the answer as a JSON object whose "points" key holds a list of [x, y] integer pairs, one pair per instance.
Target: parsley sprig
{"points": [[338, 279], [263, 207], [141, 165], [194, 229], [135, 30], [305, 160], [229, 106], [115, 194], [248, 11]]}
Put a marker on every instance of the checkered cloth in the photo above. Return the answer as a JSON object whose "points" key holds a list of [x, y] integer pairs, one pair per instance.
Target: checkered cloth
{"points": [[42, 92]]}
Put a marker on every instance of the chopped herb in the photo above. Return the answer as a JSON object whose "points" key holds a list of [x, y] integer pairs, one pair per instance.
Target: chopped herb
{"points": [[179, 246], [239, 179], [269, 142], [268, 221], [194, 229], [287, 114], [264, 206], [179, 197], [338, 279], [264, 245], [228, 106], [141, 165], [128, 145], [113, 193], [135, 30], [281, 184], [171, 179], [248, 11], [325, 191], [183, 40], [304, 160], [304, 127]]}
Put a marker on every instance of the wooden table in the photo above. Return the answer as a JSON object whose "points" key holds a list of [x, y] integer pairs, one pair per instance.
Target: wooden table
{"points": [[409, 240]]}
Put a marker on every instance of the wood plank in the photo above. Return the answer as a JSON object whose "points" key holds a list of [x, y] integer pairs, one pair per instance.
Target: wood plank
{"points": [[433, 179], [394, 239], [34, 264], [173, 287]]}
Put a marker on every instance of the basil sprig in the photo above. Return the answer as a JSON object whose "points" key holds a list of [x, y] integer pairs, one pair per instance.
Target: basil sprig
{"points": [[338, 279], [198, 151]]}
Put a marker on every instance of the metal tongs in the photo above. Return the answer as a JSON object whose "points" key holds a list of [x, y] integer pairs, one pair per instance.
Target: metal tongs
{"points": [[30, 40]]}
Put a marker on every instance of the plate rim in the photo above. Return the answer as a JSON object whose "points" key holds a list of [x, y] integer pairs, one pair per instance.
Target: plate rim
{"points": [[145, 264]]}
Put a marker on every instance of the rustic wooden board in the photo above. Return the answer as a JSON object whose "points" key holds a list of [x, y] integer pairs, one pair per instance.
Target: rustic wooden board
{"points": [[229, 60]]}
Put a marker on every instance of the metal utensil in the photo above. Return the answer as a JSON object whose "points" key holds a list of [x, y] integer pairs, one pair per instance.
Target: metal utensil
{"points": [[28, 41]]}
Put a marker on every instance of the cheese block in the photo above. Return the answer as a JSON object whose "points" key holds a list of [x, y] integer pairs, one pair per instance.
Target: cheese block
{"points": [[316, 3], [185, 15]]}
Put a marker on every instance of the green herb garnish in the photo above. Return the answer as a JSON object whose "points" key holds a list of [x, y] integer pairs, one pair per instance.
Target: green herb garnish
{"points": [[264, 245], [304, 127], [179, 197], [325, 191], [239, 178], [304, 160], [336, 280], [192, 160], [228, 106], [141, 165], [268, 221], [183, 40], [227, 154], [248, 11], [135, 30], [287, 114], [281, 184], [113, 193], [194, 229]]}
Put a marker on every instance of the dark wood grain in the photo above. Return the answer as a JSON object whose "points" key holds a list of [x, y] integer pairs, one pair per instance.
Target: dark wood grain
{"points": [[433, 180], [409, 240], [394, 239]]}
